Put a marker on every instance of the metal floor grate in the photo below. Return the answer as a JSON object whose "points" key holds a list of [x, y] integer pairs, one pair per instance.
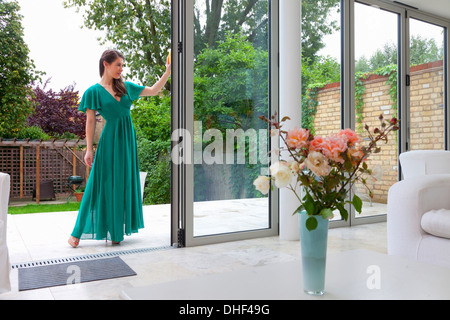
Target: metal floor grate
{"points": [[86, 257]]}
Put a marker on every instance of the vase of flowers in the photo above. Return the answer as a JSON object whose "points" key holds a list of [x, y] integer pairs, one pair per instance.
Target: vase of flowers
{"points": [[324, 169]]}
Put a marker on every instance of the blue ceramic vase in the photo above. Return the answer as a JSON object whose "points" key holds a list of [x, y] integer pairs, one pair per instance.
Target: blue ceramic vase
{"points": [[314, 253]]}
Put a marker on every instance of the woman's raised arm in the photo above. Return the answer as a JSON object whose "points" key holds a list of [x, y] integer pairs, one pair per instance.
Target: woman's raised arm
{"points": [[156, 88]]}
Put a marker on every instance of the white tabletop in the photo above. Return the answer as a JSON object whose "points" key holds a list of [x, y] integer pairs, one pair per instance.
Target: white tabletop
{"points": [[358, 274]]}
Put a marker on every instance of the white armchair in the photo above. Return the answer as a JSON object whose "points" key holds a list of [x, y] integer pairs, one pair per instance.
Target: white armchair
{"points": [[424, 162], [418, 206], [5, 284], [143, 176]]}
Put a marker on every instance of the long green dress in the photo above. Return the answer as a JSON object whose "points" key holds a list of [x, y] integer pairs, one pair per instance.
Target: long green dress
{"points": [[111, 205]]}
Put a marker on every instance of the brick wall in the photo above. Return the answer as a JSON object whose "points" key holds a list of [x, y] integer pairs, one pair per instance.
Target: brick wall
{"points": [[427, 119]]}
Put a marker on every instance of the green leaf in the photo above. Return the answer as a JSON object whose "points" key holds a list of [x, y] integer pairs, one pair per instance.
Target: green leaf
{"points": [[299, 209], [326, 213], [311, 223], [357, 203], [342, 211], [309, 205]]}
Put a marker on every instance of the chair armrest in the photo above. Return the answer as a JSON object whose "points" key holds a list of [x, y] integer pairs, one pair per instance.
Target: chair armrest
{"points": [[408, 200]]}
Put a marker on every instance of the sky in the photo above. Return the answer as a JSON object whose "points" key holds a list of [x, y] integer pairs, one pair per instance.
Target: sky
{"points": [[58, 45]]}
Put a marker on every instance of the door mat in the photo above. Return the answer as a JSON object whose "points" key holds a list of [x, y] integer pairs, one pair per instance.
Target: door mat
{"points": [[73, 273]]}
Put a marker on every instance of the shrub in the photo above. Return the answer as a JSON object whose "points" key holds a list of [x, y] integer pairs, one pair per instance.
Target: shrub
{"points": [[153, 159], [32, 132], [157, 190], [57, 112], [151, 117]]}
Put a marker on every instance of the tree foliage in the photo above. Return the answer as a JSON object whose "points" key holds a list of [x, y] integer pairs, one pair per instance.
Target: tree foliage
{"points": [[56, 113], [214, 19], [220, 103], [151, 117], [153, 159], [315, 25], [17, 71]]}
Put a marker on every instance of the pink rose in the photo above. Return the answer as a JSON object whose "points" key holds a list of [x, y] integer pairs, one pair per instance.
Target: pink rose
{"points": [[297, 138], [333, 146], [356, 153], [351, 136], [316, 144]]}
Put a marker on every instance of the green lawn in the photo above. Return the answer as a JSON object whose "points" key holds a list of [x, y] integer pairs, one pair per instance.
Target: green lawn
{"points": [[37, 208]]}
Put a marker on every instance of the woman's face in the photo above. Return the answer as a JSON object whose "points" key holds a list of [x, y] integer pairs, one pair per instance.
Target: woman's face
{"points": [[114, 69]]}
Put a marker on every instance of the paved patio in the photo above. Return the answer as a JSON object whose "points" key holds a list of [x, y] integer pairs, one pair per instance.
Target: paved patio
{"points": [[42, 236]]}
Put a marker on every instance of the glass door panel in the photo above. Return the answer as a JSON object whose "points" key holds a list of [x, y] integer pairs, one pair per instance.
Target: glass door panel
{"points": [[427, 92], [231, 91], [376, 68], [321, 70]]}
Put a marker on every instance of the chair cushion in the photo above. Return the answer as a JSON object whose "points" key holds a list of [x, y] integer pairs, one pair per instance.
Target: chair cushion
{"points": [[437, 223]]}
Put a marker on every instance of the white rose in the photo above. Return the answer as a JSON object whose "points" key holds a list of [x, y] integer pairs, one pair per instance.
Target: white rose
{"points": [[262, 184], [318, 163], [294, 165], [281, 173]]}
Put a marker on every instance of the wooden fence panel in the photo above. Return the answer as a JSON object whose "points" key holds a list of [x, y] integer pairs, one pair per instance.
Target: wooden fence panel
{"points": [[56, 164]]}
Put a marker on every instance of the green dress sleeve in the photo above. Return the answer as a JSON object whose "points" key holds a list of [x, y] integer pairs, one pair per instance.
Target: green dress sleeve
{"points": [[90, 100], [133, 90]]}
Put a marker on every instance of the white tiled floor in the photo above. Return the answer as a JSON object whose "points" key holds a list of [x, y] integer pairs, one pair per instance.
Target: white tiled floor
{"points": [[26, 244]]}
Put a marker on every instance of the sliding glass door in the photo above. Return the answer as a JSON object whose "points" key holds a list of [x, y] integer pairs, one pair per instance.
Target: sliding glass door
{"points": [[377, 58], [377, 39], [321, 70], [227, 75], [400, 69]]}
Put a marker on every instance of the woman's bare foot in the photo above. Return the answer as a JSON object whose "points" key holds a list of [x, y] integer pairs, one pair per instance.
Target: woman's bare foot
{"points": [[74, 242]]}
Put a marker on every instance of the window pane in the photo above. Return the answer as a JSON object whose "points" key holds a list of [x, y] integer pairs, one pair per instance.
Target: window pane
{"points": [[231, 91], [376, 55], [427, 86], [321, 68]]}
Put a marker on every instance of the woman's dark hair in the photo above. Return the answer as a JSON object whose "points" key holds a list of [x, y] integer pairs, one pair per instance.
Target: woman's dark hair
{"points": [[110, 56]]}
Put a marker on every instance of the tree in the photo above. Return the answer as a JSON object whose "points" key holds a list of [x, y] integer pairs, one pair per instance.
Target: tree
{"points": [[425, 50], [17, 71], [315, 25], [383, 57], [362, 65], [214, 19]]}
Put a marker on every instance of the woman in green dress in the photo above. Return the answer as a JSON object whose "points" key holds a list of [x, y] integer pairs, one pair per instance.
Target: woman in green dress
{"points": [[111, 205]]}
